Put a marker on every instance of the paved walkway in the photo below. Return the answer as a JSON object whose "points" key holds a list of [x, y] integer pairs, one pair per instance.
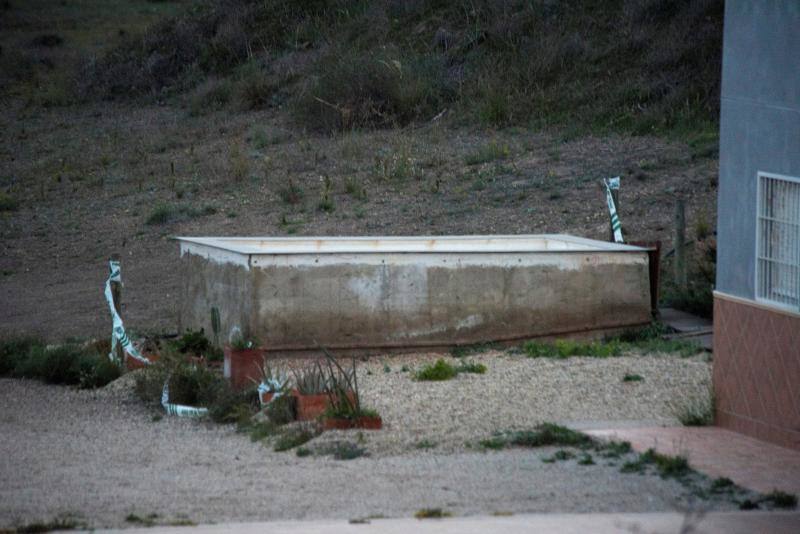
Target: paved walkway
{"points": [[722, 522], [750, 463]]}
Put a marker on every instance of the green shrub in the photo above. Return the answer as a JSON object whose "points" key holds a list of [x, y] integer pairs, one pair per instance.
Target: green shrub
{"points": [[68, 363], [193, 342], [14, 351], [361, 89], [440, 370], [781, 499]]}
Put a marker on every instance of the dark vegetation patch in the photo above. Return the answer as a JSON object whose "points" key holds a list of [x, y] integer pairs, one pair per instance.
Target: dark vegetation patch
{"points": [[443, 370], [85, 365], [649, 339], [631, 65]]}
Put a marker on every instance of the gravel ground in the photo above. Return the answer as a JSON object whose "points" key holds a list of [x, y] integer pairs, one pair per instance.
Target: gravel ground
{"points": [[101, 455]]}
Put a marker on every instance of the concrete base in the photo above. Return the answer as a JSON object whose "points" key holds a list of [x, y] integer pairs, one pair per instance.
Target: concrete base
{"points": [[379, 294]]}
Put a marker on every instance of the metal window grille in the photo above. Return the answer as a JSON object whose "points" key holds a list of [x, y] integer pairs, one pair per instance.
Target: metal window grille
{"points": [[778, 241]]}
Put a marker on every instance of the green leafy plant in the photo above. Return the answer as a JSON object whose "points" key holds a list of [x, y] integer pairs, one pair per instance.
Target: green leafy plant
{"points": [[632, 378], [310, 380], [440, 370], [342, 388]]}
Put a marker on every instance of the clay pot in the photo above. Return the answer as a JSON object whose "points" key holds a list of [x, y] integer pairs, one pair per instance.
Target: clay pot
{"points": [[242, 367], [364, 422], [311, 407], [265, 396]]}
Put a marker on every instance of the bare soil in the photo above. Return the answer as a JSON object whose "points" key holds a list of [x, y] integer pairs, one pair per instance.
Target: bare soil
{"points": [[87, 178]]}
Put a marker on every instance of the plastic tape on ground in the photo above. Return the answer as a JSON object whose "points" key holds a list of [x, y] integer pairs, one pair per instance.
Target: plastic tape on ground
{"points": [[118, 334], [179, 409]]}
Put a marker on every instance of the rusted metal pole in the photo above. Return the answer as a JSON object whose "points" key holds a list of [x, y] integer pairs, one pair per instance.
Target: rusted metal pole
{"points": [[116, 295]]}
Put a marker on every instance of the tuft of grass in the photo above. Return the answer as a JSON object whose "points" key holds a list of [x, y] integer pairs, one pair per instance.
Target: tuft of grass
{"points": [[302, 452], [697, 410], [489, 152], [586, 459], [667, 466], [440, 370], [781, 499], [291, 193], [355, 188], [59, 523], [632, 378], [543, 435], [443, 370], [425, 444], [292, 438], [148, 521], [240, 166], [466, 350], [347, 451], [722, 485], [164, 213], [648, 340], [615, 449], [565, 348], [471, 367], [432, 513]]}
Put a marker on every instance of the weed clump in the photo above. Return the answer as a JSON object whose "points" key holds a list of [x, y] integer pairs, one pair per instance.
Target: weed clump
{"points": [[293, 438], [163, 213], [432, 513], [667, 466], [442, 370], [647, 340], [781, 499], [543, 435], [68, 364]]}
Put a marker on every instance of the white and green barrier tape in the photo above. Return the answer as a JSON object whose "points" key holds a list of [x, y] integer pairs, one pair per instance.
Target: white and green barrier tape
{"points": [[616, 226], [179, 409], [275, 386], [118, 334]]}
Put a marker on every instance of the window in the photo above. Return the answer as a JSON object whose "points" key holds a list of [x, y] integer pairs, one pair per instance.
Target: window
{"points": [[778, 241]]}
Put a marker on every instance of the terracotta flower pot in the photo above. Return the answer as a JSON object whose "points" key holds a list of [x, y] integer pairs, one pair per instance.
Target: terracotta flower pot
{"points": [[266, 397], [241, 367], [366, 422], [311, 407]]}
